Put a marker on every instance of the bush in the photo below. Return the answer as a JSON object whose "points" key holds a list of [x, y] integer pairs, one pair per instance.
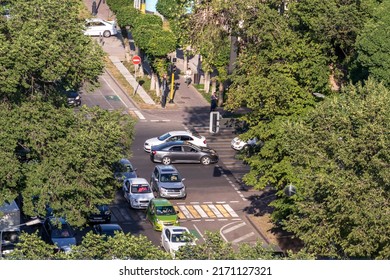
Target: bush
{"points": [[126, 16]]}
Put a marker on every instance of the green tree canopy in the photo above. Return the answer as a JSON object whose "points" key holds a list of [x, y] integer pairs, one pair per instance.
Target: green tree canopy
{"points": [[42, 45], [337, 156], [373, 45], [67, 165]]}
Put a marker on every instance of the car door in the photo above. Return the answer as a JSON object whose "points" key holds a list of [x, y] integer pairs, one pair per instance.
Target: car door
{"points": [[154, 180], [176, 153], [166, 238], [126, 190], [191, 153]]}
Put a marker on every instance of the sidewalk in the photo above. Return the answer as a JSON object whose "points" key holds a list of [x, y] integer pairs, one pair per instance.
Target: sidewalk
{"points": [[184, 96]]}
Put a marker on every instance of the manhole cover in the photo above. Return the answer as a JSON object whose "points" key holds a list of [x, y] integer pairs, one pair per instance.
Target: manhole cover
{"points": [[112, 97]]}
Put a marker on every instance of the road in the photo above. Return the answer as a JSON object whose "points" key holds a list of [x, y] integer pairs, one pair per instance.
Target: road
{"points": [[215, 199]]}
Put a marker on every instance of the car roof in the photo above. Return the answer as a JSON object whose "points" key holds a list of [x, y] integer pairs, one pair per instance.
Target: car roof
{"points": [[125, 161], [138, 181], [110, 227], [161, 202], [166, 168], [178, 132], [177, 229]]}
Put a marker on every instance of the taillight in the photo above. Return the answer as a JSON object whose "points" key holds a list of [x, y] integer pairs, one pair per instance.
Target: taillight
{"points": [[204, 141], [154, 152]]}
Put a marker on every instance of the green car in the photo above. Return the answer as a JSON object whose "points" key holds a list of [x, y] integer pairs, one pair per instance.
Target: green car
{"points": [[160, 213]]}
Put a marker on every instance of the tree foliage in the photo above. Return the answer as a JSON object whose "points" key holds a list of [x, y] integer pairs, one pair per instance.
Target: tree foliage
{"points": [[131, 247], [66, 164], [127, 16], [337, 157], [41, 49], [373, 45]]}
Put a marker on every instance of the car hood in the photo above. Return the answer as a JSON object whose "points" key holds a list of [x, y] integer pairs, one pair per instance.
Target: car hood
{"points": [[153, 141], [64, 243], [128, 175], [176, 245], [170, 185], [167, 218], [142, 196]]}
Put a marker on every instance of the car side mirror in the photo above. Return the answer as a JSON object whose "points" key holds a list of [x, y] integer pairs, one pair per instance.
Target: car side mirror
{"points": [[155, 179], [183, 179]]}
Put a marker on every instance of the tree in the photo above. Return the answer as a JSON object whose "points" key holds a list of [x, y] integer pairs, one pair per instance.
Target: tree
{"points": [[67, 165], [372, 45], [337, 157], [42, 46]]}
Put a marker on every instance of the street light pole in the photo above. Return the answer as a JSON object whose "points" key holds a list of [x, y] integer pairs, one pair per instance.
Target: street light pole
{"points": [[29, 223]]}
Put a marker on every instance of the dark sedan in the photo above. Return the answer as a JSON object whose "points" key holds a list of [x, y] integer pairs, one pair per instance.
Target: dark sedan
{"points": [[182, 152], [109, 230]]}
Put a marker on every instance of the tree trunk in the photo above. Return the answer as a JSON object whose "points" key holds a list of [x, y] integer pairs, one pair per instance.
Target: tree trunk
{"points": [[207, 82], [153, 82], [221, 90], [213, 85], [185, 62]]}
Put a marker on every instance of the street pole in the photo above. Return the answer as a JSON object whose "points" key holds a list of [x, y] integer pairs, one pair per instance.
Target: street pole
{"points": [[172, 88]]}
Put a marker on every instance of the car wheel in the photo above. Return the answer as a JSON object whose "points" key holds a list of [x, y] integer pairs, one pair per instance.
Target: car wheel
{"points": [[166, 160], [106, 33], [205, 160]]}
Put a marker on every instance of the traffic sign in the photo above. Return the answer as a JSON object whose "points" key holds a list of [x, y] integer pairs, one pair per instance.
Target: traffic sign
{"points": [[136, 60]]}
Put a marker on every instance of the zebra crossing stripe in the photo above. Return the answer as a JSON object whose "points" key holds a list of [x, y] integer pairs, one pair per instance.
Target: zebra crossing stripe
{"points": [[222, 210], [200, 211], [208, 211], [230, 210], [193, 212], [215, 210], [185, 211], [180, 214]]}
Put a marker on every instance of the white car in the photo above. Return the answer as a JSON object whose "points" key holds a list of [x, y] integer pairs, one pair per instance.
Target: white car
{"points": [[100, 27], [238, 144], [173, 237], [193, 138], [137, 192]]}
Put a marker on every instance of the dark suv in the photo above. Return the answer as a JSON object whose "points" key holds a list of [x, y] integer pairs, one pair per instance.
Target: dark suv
{"points": [[167, 182]]}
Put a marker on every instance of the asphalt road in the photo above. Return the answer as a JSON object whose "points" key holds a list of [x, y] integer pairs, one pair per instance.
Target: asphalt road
{"points": [[215, 200]]}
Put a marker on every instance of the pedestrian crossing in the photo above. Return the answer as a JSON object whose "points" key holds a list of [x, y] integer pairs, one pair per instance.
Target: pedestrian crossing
{"points": [[206, 211]]}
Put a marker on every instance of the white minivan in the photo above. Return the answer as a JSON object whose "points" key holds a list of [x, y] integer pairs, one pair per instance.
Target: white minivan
{"points": [[137, 192]]}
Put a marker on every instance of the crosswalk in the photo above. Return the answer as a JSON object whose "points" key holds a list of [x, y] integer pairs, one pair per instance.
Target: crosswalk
{"points": [[206, 211]]}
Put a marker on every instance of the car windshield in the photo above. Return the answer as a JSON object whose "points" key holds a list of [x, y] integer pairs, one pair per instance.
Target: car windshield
{"points": [[110, 232], [170, 177], [65, 231], [140, 189], [128, 168], [165, 210], [180, 237], [164, 137]]}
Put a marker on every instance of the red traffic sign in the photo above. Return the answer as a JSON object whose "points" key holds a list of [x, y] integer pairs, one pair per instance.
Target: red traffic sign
{"points": [[136, 60]]}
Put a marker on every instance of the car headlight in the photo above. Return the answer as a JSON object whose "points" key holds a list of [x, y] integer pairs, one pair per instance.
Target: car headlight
{"points": [[107, 213], [163, 189], [77, 97]]}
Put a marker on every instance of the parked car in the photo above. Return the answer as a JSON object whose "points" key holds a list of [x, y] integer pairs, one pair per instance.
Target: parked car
{"points": [[174, 237], [183, 152], [109, 230], [167, 182], [102, 216], [74, 98], [170, 136], [124, 170], [100, 27], [57, 231], [161, 213], [137, 192], [239, 145]]}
